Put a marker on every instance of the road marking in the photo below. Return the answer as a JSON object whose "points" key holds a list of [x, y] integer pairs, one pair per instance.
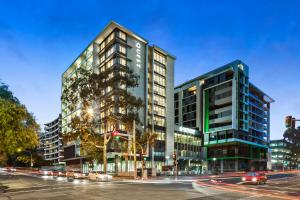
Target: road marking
{"points": [[250, 197], [236, 189]]}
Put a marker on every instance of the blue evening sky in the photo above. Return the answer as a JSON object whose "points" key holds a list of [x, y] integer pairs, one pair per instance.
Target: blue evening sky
{"points": [[39, 40]]}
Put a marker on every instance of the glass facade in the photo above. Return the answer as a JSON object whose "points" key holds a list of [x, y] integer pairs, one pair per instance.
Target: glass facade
{"points": [[114, 50], [187, 145], [281, 156], [233, 115]]}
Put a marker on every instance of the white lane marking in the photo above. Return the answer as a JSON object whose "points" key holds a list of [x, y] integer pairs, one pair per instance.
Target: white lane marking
{"points": [[250, 197]]}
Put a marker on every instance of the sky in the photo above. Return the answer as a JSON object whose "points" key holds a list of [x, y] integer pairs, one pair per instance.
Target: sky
{"points": [[40, 39]]}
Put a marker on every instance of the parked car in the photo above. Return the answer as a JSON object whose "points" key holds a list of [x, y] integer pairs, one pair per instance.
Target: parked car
{"points": [[98, 176], [255, 178], [76, 174]]}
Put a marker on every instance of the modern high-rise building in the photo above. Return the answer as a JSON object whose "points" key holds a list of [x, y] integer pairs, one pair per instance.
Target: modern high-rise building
{"points": [[52, 141], [232, 114], [114, 47]]}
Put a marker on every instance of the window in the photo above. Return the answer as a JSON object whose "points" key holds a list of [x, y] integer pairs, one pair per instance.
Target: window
{"points": [[159, 80], [122, 61], [122, 49], [159, 100], [159, 90], [159, 110], [102, 58], [122, 35], [111, 51], [159, 57], [159, 69], [102, 45], [110, 37], [110, 63]]}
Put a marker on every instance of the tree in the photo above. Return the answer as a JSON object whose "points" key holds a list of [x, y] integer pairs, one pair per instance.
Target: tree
{"points": [[292, 136], [18, 129], [108, 94], [6, 94]]}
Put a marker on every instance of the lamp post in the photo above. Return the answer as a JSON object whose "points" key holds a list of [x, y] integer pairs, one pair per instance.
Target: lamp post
{"points": [[214, 159], [167, 158], [27, 151]]}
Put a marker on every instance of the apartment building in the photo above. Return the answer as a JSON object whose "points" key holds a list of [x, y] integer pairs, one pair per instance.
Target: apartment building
{"points": [[114, 47], [52, 141], [232, 114]]}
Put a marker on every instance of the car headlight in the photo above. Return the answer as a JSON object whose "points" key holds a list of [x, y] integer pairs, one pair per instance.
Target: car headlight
{"points": [[45, 172], [59, 173], [243, 179], [254, 179]]}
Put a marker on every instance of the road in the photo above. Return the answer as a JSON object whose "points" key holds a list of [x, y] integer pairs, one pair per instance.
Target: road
{"points": [[21, 187]]}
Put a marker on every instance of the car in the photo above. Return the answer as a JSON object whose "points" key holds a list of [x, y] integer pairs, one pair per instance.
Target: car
{"points": [[10, 169], [255, 178], [99, 176], [45, 172], [76, 174], [59, 173]]}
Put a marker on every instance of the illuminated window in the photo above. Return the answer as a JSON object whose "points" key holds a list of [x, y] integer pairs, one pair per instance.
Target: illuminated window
{"points": [[122, 61], [159, 90], [102, 45], [102, 59], [122, 49], [159, 80], [159, 69], [122, 35], [110, 63], [111, 51], [159, 58], [110, 37]]}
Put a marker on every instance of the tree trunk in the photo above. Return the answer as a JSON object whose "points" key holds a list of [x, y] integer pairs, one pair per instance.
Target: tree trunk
{"points": [[104, 156]]}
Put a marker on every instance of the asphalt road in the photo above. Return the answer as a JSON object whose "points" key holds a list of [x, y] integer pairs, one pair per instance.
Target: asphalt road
{"points": [[21, 187]]}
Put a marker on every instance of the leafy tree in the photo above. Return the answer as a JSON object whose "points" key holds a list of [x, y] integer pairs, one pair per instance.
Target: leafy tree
{"points": [[292, 136], [105, 92], [18, 129], [6, 94]]}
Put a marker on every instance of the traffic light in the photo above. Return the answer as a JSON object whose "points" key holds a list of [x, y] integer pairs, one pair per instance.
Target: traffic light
{"points": [[288, 121], [174, 156], [293, 122], [115, 135]]}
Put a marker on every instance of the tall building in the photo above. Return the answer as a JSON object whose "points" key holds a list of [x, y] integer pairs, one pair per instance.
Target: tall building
{"points": [[40, 147], [232, 114], [53, 147], [114, 47]]}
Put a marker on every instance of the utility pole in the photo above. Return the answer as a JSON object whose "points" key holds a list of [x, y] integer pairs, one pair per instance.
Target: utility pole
{"points": [[134, 149]]}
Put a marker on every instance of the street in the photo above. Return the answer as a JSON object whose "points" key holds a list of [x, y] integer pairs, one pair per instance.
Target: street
{"points": [[21, 186]]}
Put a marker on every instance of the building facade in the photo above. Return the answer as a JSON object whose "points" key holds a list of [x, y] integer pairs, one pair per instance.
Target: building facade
{"points": [[281, 157], [187, 145], [52, 142], [232, 114], [114, 47]]}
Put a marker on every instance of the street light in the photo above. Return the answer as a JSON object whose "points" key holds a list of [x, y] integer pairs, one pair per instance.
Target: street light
{"points": [[167, 158], [214, 159], [19, 150], [90, 111]]}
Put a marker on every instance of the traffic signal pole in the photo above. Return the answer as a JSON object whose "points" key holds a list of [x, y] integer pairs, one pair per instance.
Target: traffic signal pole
{"points": [[290, 122]]}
